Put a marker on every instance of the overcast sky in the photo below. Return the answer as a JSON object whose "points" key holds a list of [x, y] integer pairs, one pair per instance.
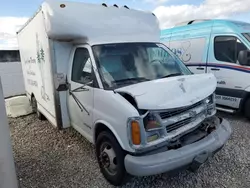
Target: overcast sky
{"points": [[14, 13]]}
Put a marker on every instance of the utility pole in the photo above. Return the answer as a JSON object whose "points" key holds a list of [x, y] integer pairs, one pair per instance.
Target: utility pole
{"points": [[8, 177]]}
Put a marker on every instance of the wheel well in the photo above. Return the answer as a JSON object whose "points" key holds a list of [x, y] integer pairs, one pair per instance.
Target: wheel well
{"points": [[243, 102], [100, 127], [32, 95]]}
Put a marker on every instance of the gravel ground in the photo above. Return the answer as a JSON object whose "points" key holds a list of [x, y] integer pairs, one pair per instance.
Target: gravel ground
{"points": [[46, 157]]}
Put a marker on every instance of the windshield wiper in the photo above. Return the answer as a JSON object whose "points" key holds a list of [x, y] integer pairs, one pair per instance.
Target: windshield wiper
{"points": [[78, 102], [82, 88], [172, 75]]}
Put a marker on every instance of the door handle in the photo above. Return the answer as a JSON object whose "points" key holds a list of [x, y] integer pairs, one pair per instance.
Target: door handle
{"points": [[215, 69], [200, 68]]}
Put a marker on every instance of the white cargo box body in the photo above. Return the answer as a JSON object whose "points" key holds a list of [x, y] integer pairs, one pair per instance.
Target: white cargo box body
{"points": [[47, 39]]}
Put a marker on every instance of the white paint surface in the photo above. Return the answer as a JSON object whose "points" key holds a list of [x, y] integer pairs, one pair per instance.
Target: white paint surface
{"points": [[172, 92], [88, 23], [12, 79], [96, 24], [18, 106], [8, 177], [189, 50], [37, 63]]}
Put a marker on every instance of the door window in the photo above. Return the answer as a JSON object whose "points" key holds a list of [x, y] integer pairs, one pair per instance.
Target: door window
{"points": [[82, 66], [227, 48]]}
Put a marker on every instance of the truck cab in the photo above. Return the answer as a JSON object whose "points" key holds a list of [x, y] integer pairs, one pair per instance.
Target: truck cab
{"points": [[220, 47], [123, 90]]}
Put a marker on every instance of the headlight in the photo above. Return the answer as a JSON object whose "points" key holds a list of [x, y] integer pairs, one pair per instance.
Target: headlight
{"points": [[153, 127], [151, 122], [144, 129], [152, 138]]}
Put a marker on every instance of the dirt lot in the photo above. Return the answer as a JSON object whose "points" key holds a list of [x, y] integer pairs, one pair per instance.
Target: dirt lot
{"points": [[46, 157]]}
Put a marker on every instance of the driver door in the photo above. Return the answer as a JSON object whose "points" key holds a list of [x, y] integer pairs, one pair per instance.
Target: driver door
{"points": [[80, 96], [230, 74]]}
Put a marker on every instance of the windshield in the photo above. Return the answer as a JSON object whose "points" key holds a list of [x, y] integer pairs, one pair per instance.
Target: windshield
{"points": [[247, 35], [129, 63]]}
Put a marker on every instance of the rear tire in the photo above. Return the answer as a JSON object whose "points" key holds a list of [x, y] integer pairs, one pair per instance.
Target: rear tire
{"points": [[247, 109], [35, 110], [110, 158]]}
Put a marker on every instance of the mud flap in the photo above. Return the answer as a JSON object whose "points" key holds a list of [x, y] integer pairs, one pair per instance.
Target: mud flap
{"points": [[198, 161]]}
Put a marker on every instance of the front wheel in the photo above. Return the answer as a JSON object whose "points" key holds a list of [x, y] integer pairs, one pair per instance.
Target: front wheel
{"points": [[110, 158]]}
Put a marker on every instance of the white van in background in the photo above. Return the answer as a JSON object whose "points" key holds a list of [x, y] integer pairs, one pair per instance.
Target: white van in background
{"points": [[221, 47], [103, 71]]}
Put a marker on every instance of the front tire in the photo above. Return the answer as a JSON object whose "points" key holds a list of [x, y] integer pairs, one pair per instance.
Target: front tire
{"points": [[110, 158]]}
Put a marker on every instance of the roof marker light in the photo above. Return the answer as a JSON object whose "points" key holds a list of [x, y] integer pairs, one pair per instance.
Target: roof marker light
{"points": [[62, 5], [104, 4]]}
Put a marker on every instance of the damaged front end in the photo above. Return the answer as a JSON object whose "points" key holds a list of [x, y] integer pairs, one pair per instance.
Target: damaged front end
{"points": [[173, 128]]}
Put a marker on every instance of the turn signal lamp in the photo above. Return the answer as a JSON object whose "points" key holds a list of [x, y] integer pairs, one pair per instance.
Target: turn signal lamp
{"points": [[135, 133]]}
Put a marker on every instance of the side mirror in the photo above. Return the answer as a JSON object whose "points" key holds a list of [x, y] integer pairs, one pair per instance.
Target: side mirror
{"points": [[60, 81], [244, 57]]}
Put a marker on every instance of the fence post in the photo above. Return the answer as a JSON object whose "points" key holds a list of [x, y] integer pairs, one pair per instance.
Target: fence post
{"points": [[8, 177]]}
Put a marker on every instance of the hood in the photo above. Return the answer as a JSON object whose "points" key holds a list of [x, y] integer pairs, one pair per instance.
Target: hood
{"points": [[173, 92]]}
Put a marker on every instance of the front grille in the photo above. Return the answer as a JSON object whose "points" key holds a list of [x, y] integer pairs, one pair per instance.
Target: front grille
{"points": [[172, 113], [178, 124]]}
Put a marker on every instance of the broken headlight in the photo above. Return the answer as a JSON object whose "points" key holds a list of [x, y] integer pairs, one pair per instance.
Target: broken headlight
{"points": [[152, 126], [151, 122]]}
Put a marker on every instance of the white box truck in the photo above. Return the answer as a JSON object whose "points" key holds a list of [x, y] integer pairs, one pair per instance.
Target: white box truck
{"points": [[102, 70]]}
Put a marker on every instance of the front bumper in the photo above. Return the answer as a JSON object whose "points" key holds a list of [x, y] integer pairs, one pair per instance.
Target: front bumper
{"points": [[182, 157]]}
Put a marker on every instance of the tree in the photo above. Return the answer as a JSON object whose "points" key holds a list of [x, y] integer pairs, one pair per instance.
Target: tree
{"points": [[38, 57], [42, 54]]}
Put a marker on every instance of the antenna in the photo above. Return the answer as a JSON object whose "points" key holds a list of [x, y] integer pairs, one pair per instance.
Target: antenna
{"points": [[191, 22], [115, 5], [125, 6]]}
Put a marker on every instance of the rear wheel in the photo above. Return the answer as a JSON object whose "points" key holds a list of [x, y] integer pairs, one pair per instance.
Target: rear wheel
{"points": [[40, 116], [247, 109], [110, 158]]}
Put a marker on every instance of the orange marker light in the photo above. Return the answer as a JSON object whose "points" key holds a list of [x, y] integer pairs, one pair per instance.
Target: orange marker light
{"points": [[135, 132]]}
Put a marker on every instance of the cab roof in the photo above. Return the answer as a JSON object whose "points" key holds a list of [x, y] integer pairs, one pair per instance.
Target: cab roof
{"points": [[97, 24]]}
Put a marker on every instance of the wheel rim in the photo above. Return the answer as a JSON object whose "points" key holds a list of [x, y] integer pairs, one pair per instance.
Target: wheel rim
{"points": [[108, 159]]}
